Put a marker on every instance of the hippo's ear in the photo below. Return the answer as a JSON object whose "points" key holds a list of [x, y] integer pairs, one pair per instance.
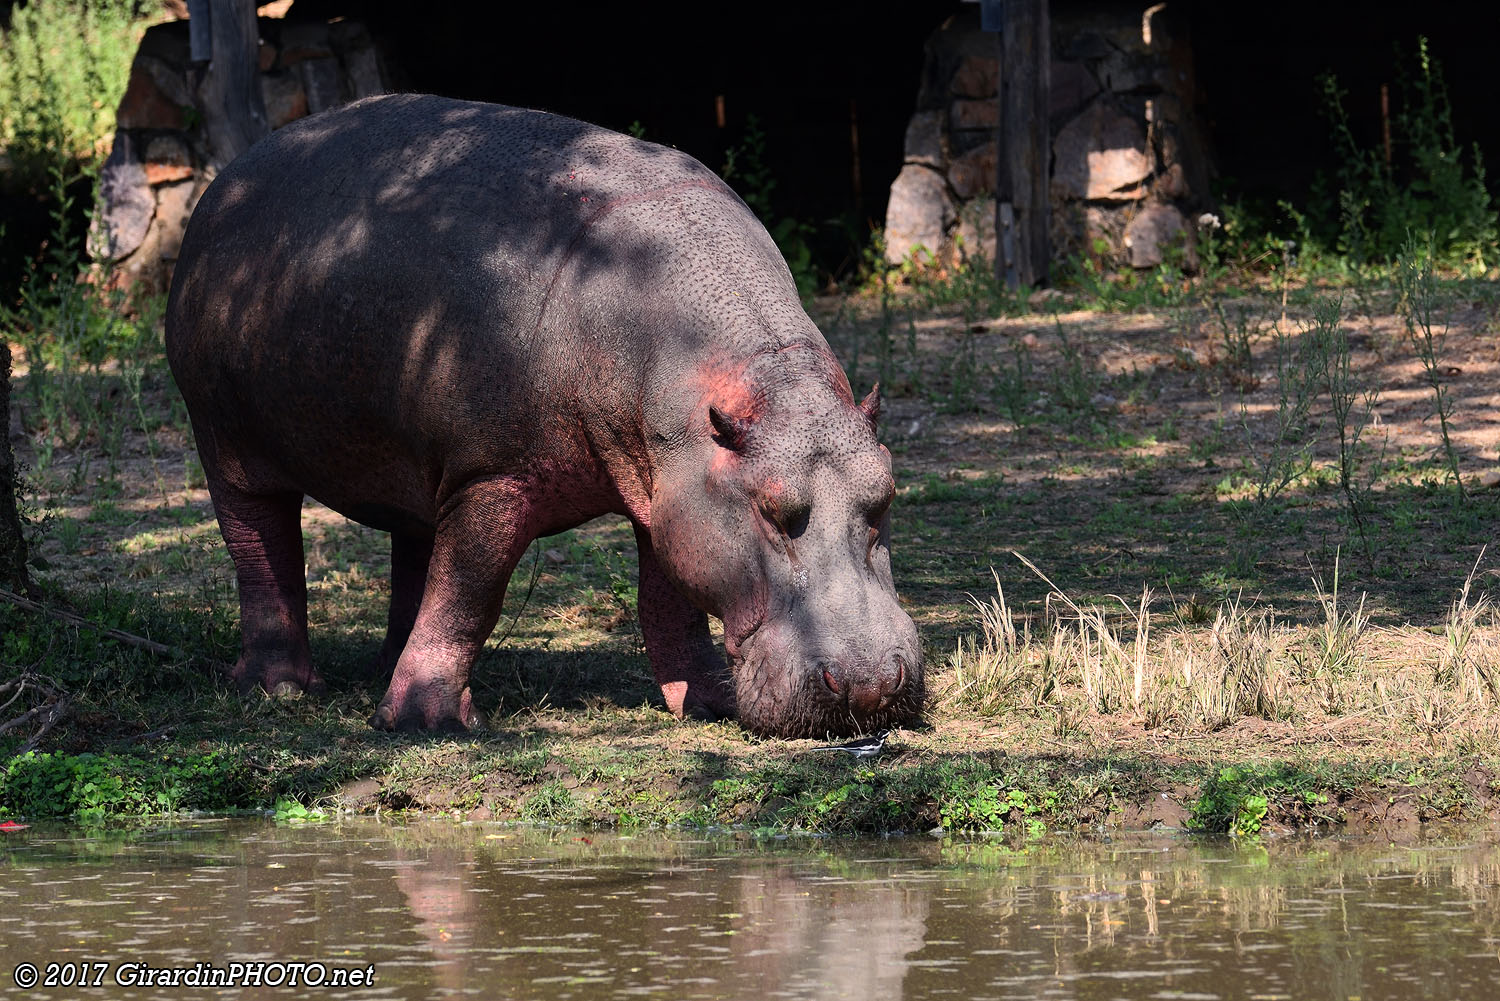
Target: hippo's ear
{"points": [[729, 430], [871, 407]]}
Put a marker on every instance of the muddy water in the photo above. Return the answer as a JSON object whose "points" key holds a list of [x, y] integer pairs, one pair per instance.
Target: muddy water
{"points": [[436, 910]]}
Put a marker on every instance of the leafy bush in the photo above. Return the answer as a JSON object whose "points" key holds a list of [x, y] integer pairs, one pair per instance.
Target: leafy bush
{"points": [[95, 786], [982, 807], [1237, 800], [1233, 802], [63, 69]]}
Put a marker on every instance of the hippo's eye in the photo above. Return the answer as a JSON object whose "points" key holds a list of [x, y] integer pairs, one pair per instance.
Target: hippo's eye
{"points": [[789, 521]]}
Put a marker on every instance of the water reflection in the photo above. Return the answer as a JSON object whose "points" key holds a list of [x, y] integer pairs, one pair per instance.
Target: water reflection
{"points": [[448, 911]]}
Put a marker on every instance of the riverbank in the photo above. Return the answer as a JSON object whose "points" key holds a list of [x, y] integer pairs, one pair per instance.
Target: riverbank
{"points": [[1314, 644], [639, 768]]}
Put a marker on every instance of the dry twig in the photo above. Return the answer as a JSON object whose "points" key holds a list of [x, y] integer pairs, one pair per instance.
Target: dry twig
{"points": [[52, 707]]}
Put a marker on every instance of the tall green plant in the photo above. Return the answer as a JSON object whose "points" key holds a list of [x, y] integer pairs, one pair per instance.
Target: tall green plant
{"points": [[1416, 300], [69, 329], [1352, 406], [1427, 184], [1286, 454], [63, 69], [64, 65], [746, 169]]}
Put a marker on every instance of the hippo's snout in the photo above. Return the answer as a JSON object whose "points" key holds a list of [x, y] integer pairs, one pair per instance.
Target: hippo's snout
{"points": [[786, 690], [865, 687]]}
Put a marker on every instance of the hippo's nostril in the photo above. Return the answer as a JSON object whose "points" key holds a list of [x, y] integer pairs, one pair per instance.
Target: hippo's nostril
{"points": [[890, 691]]}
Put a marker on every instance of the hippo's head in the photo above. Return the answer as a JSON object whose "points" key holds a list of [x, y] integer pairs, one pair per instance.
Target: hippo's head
{"points": [[780, 527]]}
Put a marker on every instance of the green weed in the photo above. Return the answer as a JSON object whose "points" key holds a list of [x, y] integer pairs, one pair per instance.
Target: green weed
{"points": [[1416, 290], [552, 803], [1128, 290], [291, 812], [91, 787], [1286, 454], [1232, 803], [1335, 652], [1237, 800], [63, 68], [1469, 660], [1352, 407]]}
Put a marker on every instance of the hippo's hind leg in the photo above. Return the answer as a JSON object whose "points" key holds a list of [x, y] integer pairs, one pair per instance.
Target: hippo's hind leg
{"points": [[692, 675], [481, 535], [410, 555], [263, 532]]}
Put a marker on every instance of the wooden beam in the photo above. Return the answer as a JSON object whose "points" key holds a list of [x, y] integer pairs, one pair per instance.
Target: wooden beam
{"points": [[1022, 190], [234, 114]]}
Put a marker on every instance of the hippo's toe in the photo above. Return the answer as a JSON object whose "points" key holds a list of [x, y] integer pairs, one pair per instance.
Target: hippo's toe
{"points": [[427, 716]]}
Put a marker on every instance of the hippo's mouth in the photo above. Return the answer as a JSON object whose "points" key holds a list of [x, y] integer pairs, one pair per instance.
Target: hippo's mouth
{"points": [[778, 699], [734, 646]]}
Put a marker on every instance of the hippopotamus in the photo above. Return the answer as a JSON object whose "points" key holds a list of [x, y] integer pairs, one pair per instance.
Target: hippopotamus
{"points": [[470, 326]]}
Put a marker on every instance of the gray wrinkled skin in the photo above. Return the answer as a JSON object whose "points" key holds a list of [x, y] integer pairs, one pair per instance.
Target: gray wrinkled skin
{"points": [[472, 325]]}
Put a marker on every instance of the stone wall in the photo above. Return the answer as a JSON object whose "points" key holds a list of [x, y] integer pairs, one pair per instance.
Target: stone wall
{"points": [[1129, 164], [159, 163]]}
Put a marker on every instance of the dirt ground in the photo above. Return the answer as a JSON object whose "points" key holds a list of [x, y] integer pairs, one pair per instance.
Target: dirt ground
{"points": [[1116, 450]]}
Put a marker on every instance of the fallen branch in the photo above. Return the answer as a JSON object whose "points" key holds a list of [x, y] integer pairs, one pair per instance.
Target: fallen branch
{"points": [[148, 735], [73, 618]]}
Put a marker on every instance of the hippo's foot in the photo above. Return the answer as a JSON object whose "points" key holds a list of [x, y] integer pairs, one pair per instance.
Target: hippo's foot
{"points": [[429, 710], [687, 665], [704, 713], [701, 698], [281, 677]]}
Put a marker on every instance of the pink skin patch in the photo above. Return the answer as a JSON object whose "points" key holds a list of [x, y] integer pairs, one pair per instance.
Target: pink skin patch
{"points": [[675, 692]]}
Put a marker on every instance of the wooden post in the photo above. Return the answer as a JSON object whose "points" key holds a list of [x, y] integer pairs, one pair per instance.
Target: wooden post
{"points": [[1385, 120], [855, 177], [234, 114], [1022, 185]]}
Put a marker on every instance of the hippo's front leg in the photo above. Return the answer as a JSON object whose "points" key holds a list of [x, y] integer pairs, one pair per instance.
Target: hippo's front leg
{"points": [[691, 673], [480, 537]]}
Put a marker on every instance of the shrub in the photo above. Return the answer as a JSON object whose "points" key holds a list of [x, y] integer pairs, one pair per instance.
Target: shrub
{"points": [[1425, 186], [63, 69], [95, 786]]}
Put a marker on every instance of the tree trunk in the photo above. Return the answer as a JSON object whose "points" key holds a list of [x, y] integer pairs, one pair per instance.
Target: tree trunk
{"points": [[12, 540]]}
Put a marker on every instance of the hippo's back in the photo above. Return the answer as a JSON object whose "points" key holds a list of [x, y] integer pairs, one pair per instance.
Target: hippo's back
{"points": [[431, 190], [381, 273]]}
